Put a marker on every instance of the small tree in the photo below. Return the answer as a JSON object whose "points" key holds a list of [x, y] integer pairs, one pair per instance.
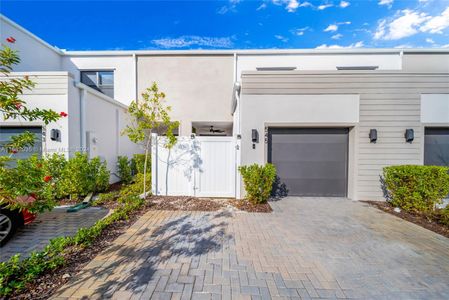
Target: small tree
{"points": [[150, 115]]}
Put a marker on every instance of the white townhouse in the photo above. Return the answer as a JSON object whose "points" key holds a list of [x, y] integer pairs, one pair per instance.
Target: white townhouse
{"points": [[329, 120]]}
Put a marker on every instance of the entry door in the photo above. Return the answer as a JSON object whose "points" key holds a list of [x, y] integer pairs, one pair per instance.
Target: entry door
{"points": [[311, 162]]}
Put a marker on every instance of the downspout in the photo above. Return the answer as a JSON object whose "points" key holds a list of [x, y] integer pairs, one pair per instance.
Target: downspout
{"points": [[401, 57], [135, 75], [83, 119]]}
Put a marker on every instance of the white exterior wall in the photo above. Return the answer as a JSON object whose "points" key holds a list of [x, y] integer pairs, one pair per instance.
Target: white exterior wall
{"points": [[123, 67], [50, 93], [35, 54], [105, 120], [318, 61]]}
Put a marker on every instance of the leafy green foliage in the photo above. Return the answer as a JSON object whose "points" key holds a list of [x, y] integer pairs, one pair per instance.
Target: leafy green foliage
{"points": [[105, 198], [82, 176], [150, 115], [138, 164], [258, 181], [124, 169], [416, 188], [27, 186], [15, 274], [43, 180]]}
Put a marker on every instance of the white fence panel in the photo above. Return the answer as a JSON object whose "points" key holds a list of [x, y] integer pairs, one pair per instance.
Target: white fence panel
{"points": [[216, 173], [202, 167]]}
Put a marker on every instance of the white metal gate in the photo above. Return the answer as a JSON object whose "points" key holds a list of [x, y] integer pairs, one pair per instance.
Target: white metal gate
{"points": [[200, 166]]}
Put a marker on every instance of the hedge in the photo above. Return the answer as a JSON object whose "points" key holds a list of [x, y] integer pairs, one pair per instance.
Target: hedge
{"points": [[416, 188]]}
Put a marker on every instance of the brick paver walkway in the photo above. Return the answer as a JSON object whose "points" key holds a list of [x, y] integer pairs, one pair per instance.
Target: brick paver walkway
{"points": [[48, 225], [307, 248]]}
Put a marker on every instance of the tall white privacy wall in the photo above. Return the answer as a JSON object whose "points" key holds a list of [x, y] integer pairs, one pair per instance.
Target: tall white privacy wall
{"points": [[200, 166]]}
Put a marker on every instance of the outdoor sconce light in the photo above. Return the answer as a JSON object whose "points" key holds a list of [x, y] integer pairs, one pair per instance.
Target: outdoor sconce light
{"points": [[254, 137], [373, 135], [409, 135], [55, 135]]}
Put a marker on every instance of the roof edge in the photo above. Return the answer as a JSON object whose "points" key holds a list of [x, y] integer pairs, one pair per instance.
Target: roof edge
{"points": [[30, 34]]}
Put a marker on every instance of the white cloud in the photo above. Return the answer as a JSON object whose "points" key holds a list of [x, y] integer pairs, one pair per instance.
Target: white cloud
{"points": [[292, 5], [354, 45], [445, 46], [324, 6], [193, 40], [405, 25], [438, 23], [337, 36], [430, 41], [230, 7], [409, 22], [300, 31], [281, 38], [344, 4], [262, 6], [331, 28], [386, 2]]}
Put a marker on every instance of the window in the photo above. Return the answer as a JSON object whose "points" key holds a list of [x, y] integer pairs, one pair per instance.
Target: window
{"points": [[102, 81]]}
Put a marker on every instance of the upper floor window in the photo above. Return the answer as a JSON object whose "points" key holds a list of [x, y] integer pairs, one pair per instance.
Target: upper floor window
{"points": [[102, 81]]}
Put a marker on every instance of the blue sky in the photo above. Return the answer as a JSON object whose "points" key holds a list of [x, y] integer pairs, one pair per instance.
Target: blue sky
{"points": [[234, 24]]}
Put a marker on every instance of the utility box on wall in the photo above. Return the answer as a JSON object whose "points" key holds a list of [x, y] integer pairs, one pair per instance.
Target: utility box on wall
{"points": [[91, 144]]}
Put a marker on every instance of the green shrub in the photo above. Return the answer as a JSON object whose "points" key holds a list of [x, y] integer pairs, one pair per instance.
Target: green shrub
{"points": [[416, 188], [27, 185], [258, 181], [105, 198], [135, 188], [124, 169], [81, 176], [54, 166], [138, 162]]}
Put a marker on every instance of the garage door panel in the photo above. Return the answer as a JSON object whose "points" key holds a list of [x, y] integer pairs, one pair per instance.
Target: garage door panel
{"points": [[308, 187], [289, 152], [310, 161], [305, 169]]}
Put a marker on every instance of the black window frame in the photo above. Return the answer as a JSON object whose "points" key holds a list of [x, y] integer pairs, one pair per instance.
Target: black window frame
{"points": [[100, 87]]}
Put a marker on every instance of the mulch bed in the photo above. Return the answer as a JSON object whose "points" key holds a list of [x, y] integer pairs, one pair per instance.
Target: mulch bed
{"points": [[245, 205], [186, 203], [76, 258], [428, 222]]}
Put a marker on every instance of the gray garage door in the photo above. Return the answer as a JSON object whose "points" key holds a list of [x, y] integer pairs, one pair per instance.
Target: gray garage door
{"points": [[6, 132], [310, 161], [436, 148]]}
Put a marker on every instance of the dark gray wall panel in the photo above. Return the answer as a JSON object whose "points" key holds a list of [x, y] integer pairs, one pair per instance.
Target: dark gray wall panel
{"points": [[310, 161], [436, 147]]}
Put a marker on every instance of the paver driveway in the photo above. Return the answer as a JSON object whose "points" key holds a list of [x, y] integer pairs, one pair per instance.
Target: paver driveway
{"points": [[49, 225], [307, 248]]}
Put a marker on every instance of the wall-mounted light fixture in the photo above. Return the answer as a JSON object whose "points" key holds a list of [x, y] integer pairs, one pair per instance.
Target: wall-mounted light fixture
{"points": [[254, 137], [55, 135], [373, 135], [409, 135]]}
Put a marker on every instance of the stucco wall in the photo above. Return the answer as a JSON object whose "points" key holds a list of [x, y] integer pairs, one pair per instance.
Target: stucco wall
{"points": [[430, 62], [318, 61], [199, 88], [123, 67], [105, 121], [34, 54], [50, 93]]}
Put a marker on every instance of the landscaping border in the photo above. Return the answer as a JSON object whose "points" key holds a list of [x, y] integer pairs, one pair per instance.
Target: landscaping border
{"points": [[418, 219]]}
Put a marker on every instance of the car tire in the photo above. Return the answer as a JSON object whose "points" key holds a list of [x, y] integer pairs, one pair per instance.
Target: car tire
{"points": [[9, 222]]}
